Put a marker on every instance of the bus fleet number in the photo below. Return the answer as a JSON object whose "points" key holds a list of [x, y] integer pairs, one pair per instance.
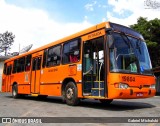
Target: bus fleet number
{"points": [[128, 78]]}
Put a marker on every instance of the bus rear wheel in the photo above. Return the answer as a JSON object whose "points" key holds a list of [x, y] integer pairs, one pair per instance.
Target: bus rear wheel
{"points": [[71, 94], [15, 91], [106, 101]]}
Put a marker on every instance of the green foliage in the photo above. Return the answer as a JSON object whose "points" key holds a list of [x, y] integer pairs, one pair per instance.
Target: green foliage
{"points": [[6, 40], [151, 33]]}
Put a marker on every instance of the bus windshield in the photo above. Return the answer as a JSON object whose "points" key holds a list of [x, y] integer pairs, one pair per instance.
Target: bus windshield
{"points": [[128, 55]]}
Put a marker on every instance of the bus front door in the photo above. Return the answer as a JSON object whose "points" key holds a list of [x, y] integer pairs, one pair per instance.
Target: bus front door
{"points": [[94, 68], [35, 78]]}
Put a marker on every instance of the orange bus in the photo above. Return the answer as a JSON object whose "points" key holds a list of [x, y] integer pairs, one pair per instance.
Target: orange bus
{"points": [[105, 62]]}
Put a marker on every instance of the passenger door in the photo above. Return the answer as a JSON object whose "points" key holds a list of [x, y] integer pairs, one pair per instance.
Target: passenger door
{"points": [[94, 67], [36, 74]]}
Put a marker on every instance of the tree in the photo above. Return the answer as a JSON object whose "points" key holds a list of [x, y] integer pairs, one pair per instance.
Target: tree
{"points": [[151, 33], [6, 40]]}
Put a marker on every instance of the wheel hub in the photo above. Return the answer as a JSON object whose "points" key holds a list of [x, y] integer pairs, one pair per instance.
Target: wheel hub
{"points": [[69, 93], [14, 92]]}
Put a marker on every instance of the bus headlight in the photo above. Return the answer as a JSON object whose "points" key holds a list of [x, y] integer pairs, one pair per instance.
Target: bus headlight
{"points": [[153, 86], [121, 85]]}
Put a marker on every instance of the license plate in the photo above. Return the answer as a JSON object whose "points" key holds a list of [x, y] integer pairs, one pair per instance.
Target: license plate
{"points": [[139, 94]]}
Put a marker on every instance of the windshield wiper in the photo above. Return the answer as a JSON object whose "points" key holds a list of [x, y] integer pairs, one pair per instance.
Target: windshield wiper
{"points": [[138, 45], [128, 42]]}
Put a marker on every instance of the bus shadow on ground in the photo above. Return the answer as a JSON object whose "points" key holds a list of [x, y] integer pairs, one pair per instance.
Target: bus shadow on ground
{"points": [[116, 105]]}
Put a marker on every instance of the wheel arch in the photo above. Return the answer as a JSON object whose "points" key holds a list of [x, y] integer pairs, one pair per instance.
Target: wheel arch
{"points": [[70, 92], [64, 83], [15, 90], [14, 83]]}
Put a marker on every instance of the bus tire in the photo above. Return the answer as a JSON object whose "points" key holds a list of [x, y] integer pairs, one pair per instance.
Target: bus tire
{"points": [[15, 91], [63, 97], [71, 94], [106, 101]]}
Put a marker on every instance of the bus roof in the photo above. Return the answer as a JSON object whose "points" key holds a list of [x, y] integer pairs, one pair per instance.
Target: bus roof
{"points": [[116, 27]]}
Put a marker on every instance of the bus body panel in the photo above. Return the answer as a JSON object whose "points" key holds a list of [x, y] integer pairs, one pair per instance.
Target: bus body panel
{"points": [[49, 80], [50, 89], [23, 82], [138, 86], [56, 75], [24, 89]]}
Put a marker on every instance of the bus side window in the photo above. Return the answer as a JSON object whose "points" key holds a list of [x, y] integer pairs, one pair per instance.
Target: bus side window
{"points": [[65, 53], [9, 68], [15, 66], [54, 56], [21, 64], [28, 63], [71, 52], [74, 57], [45, 58]]}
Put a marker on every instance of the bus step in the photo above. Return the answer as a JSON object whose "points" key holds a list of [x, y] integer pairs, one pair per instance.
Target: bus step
{"points": [[97, 92], [34, 95], [86, 94]]}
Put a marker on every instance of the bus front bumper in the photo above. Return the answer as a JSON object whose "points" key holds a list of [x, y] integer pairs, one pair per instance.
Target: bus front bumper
{"points": [[131, 93]]}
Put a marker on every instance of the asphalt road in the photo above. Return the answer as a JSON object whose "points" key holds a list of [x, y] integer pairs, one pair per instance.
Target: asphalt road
{"points": [[53, 107]]}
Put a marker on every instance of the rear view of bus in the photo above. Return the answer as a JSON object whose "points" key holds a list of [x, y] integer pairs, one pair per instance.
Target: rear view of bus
{"points": [[130, 74]]}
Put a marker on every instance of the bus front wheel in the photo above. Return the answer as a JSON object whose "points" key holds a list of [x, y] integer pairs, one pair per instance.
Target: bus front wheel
{"points": [[15, 91], [71, 95]]}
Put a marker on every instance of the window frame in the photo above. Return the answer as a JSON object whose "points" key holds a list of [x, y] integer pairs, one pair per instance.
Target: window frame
{"points": [[47, 56], [14, 70], [17, 66], [21, 65], [28, 60], [9, 70], [78, 49]]}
